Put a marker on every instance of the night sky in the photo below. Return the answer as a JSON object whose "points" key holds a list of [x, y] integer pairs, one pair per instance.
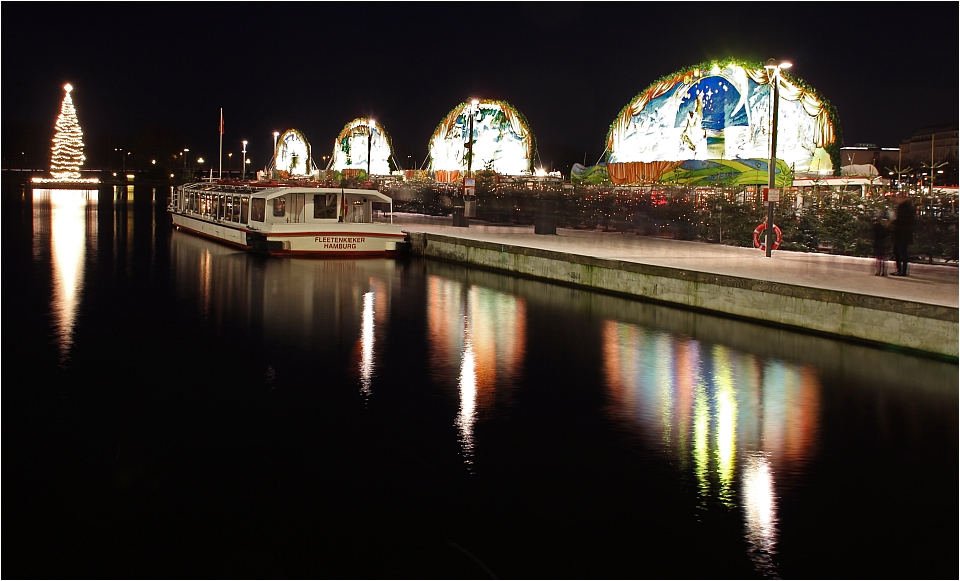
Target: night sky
{"points": [[154, 76]]}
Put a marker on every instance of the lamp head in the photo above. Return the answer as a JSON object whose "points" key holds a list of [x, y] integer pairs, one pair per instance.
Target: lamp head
{"points": [[774, 64]]}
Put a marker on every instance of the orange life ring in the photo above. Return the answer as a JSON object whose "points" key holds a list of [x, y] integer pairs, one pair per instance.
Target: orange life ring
{"points": [[762, 244]]}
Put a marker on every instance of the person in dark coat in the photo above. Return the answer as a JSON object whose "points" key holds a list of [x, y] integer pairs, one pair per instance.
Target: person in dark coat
{"points": [[903, 234], [881, 238]]}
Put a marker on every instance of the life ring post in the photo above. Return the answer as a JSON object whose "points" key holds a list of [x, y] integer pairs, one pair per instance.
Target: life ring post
{"points": [[761, 241]]}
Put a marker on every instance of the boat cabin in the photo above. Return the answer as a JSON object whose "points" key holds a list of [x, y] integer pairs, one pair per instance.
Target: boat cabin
{"points": [[260, 207]]}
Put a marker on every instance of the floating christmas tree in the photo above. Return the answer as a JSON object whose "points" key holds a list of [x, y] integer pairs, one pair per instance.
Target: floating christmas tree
{"points": [[67, 145]]}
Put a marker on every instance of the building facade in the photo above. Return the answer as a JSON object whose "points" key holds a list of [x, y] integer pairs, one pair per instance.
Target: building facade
{"points": [[936, 144]]}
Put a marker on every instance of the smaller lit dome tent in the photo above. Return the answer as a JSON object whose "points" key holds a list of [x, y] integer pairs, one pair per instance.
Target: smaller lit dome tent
{"points": [[355, 140], [292, 157], [502, 140]]}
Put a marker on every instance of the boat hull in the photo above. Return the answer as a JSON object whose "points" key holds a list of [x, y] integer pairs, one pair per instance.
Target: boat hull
{"points": [[320, 240]]}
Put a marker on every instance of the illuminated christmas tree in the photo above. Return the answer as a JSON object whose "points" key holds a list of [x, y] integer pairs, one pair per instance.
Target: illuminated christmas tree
{"points": [[67, 143], [67, 147]]}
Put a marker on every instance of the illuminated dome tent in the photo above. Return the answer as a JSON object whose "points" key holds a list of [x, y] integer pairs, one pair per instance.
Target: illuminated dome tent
{"points": [[712, 121], [350, 149], [503, 140], [292, 157]]}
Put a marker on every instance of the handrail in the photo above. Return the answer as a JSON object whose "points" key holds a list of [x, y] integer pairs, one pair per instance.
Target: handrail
{"points": [[225, 188]]}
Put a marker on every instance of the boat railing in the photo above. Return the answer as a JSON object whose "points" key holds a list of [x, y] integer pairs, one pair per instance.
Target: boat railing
{"points": [[224, 188]]}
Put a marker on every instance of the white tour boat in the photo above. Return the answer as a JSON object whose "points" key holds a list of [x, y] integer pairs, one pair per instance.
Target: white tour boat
{"points": [[288, 220]]}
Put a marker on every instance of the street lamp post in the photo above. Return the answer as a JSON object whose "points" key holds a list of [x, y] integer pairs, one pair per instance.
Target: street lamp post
{"points": [[243, 163], [276, 134], [933, 166], [773, 68], [229, 163], [473, 105], [370, 124]]}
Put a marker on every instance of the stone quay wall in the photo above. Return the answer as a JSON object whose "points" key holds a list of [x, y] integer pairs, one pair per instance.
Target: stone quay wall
{"points": [[931, 329]]}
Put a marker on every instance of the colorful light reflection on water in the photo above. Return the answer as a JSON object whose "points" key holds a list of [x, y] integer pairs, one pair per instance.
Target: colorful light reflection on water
{"points": [[485, 332], [730, 419], [567, 409]]}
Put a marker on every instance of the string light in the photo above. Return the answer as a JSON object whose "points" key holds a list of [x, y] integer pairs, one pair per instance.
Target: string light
{"points": [[67, 145]]}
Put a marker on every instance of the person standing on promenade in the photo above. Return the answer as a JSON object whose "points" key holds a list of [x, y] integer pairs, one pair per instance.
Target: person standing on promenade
{"points": [[903, 233], [881, 237]]}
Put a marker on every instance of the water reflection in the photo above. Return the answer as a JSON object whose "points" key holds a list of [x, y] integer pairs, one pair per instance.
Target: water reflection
{"points": [[290, 305], [374, 324], [68, 231], [366, 345], [467, 384], [721, 414], [477, 340], [760, 512]]}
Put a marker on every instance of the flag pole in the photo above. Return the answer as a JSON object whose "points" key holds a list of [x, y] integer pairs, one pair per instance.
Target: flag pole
{"points": [[220, 171]]}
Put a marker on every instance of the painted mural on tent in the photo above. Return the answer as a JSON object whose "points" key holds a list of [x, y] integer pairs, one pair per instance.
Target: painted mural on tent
{"points": [[722, 113], [292, 156], [502, 140], [355, 140]]}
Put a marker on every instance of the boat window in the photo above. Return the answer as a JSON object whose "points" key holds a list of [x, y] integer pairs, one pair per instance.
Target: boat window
{"points": [[325, 206], [279, 206], [258, 208], [244, 209], [235, 208]]}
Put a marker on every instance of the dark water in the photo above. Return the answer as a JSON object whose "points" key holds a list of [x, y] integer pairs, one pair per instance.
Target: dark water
{"points": [[175, 408]]}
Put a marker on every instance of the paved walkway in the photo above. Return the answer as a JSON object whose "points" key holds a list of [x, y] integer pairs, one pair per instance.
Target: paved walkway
{"points": [[928, 284]]}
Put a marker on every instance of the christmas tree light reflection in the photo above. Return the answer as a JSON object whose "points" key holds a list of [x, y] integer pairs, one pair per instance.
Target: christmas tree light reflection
{"points": [[67, 243]]}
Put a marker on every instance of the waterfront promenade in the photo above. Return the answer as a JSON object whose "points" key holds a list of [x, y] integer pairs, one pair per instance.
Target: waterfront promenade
{"points": [[836, 295]]}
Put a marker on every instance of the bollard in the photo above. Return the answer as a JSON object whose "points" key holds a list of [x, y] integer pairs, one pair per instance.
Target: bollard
{"points": [[459, 219], [545, 220]]}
